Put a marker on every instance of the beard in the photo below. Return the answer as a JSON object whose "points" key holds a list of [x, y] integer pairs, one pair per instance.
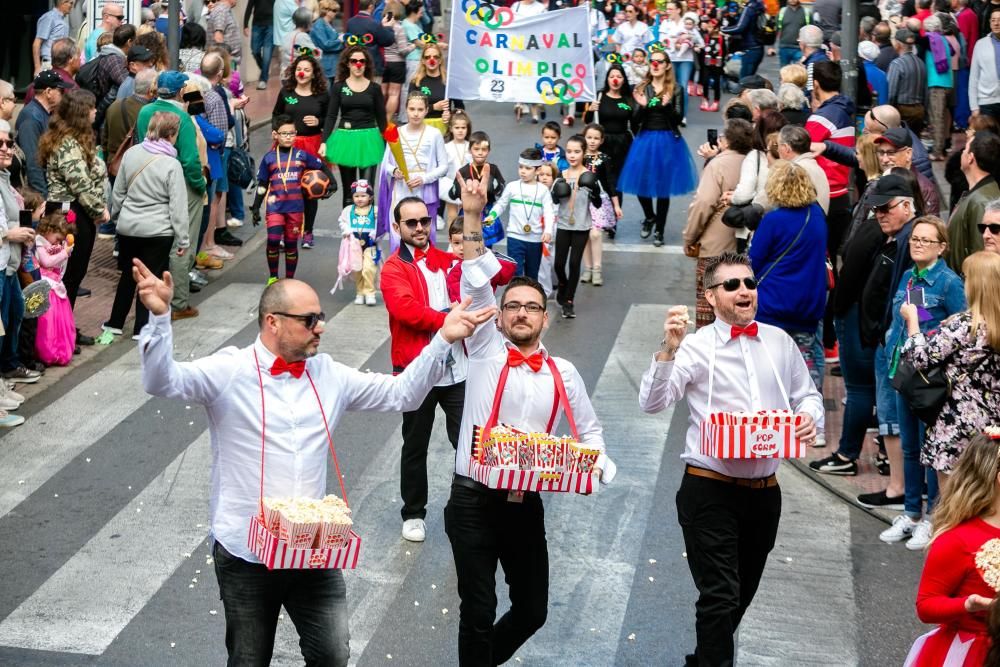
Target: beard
{"points": [[522, 335]]}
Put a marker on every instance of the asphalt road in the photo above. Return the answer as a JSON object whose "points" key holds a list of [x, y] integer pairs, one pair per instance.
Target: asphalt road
{"points": [[103, 501]]}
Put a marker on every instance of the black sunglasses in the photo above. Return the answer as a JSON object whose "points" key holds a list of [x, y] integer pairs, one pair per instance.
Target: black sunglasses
{"points": [[733, 284], [885, 208], [994, 229], [310, 320], [413, 222], [6, 143]]}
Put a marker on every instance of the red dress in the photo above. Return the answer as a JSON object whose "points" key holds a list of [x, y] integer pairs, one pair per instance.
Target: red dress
{"points": [[950, 576]]}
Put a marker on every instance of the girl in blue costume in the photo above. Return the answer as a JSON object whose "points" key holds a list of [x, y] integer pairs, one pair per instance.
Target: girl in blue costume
{"points": [[659, 165]]}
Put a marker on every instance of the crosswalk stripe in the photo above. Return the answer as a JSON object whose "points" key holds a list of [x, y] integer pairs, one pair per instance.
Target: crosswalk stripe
{"points": [[34, 452], [594, 543], [156, 529]]}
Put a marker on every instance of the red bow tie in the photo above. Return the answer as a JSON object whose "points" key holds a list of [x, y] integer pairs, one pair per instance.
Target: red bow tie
{"points": [[296, 368], [418, 254], [515, 359], [748, 330]]}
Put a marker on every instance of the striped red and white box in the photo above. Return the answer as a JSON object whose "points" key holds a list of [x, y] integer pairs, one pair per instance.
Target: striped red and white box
{"points": [[765, 435], [514, 479], [276, 554]]}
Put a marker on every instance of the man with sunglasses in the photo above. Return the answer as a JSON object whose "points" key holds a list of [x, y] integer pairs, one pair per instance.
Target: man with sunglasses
{"points": [[894, 148], [415, 291], [979, 160], [990, 227], [728, 509], [112, 16], [280, 394]]}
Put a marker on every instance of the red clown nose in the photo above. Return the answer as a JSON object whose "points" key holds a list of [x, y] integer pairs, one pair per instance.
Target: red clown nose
{"points": [[301, 75], [432, 62]]}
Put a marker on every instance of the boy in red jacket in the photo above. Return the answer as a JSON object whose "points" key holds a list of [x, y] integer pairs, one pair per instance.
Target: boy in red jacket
{"points": [[415, 291], [508, 267]]}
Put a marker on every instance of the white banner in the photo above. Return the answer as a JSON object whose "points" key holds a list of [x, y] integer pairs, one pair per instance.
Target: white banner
{"points": [[545, 58]]}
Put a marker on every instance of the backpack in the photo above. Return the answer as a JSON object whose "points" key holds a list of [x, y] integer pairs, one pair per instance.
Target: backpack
{"points": [[766, 29], [89, 77]]}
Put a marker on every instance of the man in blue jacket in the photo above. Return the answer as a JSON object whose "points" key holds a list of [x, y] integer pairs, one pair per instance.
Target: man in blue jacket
{"points": [[746, 29], [363, 23], [33, 121]]}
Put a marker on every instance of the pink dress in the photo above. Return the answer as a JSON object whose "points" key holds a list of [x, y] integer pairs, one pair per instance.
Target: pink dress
{"points": [[56, 336]]}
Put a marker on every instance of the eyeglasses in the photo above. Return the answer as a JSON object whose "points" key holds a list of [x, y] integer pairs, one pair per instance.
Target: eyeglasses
{"points": [[413, 222], [6, 143], [357, 61], [310, 320], [925, 242], [994, 229], [885, 208], [887, 153], [733, 284], [515, 306], [287, 134]]}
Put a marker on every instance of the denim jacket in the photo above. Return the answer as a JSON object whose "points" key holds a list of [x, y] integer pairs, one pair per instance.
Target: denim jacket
{"points": [[944, 295]]}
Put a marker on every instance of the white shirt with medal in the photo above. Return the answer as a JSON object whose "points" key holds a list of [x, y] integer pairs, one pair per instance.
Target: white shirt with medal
{"points": [[437, 298], [531, 212], [425, 156]]}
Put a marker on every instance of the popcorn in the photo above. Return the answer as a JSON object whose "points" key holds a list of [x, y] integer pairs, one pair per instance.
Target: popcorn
{"points": [[307, 522], [988, 563]]}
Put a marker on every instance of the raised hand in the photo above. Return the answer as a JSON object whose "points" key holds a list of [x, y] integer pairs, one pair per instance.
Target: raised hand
{"points": [[473, 191], [155, 293], [461, 323]]}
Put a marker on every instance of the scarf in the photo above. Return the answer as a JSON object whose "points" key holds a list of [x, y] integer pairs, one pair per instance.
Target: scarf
{"points": [[939, 50], [159, 147]]}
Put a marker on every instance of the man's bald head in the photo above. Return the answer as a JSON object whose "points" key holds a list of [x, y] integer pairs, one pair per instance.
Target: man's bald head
{"points": [[282, 296], [881, 118], [882, 34]]}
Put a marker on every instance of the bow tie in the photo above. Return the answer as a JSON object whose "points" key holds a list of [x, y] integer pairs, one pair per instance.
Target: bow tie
{"points": [[748, 330], [515, 359], [296, 368], [418, 254]]}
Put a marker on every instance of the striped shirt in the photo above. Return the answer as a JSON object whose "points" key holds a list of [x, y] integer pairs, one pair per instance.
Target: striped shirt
{"points": [[281, 169], [907, 80]]}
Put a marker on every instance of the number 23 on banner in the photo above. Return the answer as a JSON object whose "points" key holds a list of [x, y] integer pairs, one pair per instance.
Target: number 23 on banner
{"points": [[497, 89]]}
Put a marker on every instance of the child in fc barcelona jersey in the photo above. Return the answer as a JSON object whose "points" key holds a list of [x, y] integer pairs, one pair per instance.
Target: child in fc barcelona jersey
{"points": [[279, 177]]}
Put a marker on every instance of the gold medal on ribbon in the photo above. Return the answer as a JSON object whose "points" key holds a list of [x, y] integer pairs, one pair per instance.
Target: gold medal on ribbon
{"points": [[272, 199], [527, 228]]}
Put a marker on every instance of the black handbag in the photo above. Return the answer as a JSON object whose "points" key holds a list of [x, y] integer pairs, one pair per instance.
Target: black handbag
{"points": [[924, 391]]}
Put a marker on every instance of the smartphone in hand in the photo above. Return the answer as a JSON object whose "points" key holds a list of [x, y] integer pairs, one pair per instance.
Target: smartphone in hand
{"points": [[713, 138]]}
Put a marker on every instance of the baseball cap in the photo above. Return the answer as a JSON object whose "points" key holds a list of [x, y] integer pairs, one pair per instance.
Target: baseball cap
{"points": [[868, 50], [48, 78], [897, 137], [140, 54], [170, 82], [888, 188], [753, 82]]}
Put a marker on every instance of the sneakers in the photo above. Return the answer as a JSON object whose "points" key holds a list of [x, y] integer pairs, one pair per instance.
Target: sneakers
{"points": [[262, 85], [647, 229], [715, 106], [198, 278], [8, 420], [206, 261], [183, 313], [567, 311], [414, 530], [7, 403], [881, 463], [106, 230], [114, 330], [921, 536], [705, 105], [234, 223], [834, 465], [359, 300], [83, 339], [13, 394], [657, 239], [820, 440], [370, 300], [22, 375], [585, 276], [596, 279], [902, 527], [879, 500], [307, 241], [272, 280]]}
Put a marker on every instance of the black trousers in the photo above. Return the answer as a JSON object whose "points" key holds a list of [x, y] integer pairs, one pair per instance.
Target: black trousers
{"points": [[417, 426], [485, 528], [728, 532], [350, 174], [152, 251], [83, 245], [838, 221], [570, 244], [311, 207]]}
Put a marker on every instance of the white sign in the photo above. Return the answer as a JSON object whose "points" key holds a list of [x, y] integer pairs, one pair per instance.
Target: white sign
{"points": [[494, 55]]}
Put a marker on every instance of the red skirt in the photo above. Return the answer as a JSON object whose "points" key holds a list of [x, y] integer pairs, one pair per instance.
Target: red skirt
{"points": [[946, 647], [310, 144]]}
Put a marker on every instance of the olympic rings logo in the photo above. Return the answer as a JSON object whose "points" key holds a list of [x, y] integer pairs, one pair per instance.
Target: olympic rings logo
{"points": [[558, 90], [655, 47], [366, 39], [428, 38], [486, 14]]}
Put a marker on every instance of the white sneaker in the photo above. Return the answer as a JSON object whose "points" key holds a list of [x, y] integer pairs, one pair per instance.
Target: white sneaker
{"points": [[921, 536], [8, 403], [440, 224], [234, 222], [359, 300], [15, 396], [902, 527], [262, 85], [9, 421], [414, 530], [820, 439], [370, 300]]}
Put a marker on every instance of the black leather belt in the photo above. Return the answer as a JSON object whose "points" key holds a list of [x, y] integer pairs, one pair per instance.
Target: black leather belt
{"points": [[469, 483]]}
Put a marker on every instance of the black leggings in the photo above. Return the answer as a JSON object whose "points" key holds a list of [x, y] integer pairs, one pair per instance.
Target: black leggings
{"points": [[311, 207], [347, 176], [711, 79], [660, 215], [569, 244]]}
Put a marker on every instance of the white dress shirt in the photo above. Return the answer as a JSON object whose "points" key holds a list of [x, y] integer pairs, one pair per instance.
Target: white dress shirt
{"points": [[296, 454], [528, 396], [437, 298], [746, 372], [630, 37]]}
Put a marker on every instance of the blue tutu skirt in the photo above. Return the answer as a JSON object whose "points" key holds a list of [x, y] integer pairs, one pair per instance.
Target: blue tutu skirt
{"points": [[659, 164]]}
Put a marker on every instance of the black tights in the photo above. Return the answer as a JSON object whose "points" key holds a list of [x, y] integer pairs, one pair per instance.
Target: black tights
{"points": [[570, 245], [711, 79], [347, 176], [660, 215], [311, 207]]}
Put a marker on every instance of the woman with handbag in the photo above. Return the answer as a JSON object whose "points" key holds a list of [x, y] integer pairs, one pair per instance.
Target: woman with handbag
{"points": [[788, 254], [967, 349], [705, 235], [936, 293]]}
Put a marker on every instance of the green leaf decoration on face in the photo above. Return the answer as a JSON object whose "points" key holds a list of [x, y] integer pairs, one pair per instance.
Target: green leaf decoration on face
{"points": [[624, 107], [425, 90], [347, 91], [291, 100]]}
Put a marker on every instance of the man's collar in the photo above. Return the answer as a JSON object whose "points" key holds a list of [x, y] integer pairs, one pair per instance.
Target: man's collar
{"points": [[540, 348], [724, 330], [265, 357]]}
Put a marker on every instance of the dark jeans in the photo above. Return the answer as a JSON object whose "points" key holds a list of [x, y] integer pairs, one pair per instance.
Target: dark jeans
{"points": [[12, 314], [915, 475], [83, 245], [857, 363], [262, 47], [752, 58], [659, 215], [570, 244], [417, 427], [528, 256], [485, 528], [154, 252], [728, 532], [838, 221], [316, 601]]}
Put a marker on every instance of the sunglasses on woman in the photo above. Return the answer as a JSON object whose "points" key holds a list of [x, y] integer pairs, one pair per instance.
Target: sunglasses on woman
{"points": [[357, 61], [733, 284], [994, 229]]}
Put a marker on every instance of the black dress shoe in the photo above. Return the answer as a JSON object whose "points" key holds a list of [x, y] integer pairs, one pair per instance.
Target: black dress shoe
{"points": [[194, 287], [82, 291], [83, 339], [225, 237]]}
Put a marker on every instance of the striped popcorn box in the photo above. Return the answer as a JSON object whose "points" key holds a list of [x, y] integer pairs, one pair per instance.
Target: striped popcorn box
{"points": [[297, 532], [333, 535]]}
